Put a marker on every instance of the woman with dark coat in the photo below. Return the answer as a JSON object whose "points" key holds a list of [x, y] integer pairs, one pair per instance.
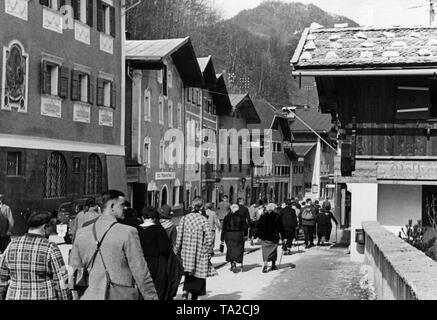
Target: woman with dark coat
{"points": [[234, 226], [270, 229], [156, 249], [324, 224]]}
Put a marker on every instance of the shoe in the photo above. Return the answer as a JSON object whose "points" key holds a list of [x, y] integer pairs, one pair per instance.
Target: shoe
{"points": [[307, 246], [274, 268], [265, 270], [251, 242], [185, 296]]}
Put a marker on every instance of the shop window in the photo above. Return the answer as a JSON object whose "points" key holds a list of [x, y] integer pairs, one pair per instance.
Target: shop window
{"points": [[14, 164], [93, 183], [55, 176]]}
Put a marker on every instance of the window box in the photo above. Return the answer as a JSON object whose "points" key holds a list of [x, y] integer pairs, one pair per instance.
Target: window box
{"points": [[17, 8], [53, 20], [82, 32]]}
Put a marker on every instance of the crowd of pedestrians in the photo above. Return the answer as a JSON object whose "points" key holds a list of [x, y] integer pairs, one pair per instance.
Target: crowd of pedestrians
{"points": [[119, 254]]}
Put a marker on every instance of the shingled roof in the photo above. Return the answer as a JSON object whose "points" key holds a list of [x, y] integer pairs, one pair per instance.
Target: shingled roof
{"points": [[318, 121], [352, 48]]}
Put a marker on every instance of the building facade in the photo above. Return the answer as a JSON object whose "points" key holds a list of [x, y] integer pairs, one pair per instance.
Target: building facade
{"points": [[61, 133], [161, 79]]}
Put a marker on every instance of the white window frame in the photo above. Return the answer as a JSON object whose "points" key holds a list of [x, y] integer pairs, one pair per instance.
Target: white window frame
{"points": [[161, 109], [170, 113], [146, 156], [147, 106], [84, 79], [180, 115], [107, 19], [161, 154], [169, 79]]}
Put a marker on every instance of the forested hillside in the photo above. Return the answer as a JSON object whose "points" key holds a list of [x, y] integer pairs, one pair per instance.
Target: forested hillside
{"points": [[253, 48]]}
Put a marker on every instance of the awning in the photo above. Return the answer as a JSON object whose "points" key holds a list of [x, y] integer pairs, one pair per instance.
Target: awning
{"points": [[302, 149]]}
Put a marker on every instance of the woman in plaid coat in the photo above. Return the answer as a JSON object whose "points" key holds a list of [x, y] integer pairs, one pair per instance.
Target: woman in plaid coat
{"points": [[195, 246]]}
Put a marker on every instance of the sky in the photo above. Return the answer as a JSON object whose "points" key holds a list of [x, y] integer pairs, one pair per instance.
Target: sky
{"points": [[378, 13]]}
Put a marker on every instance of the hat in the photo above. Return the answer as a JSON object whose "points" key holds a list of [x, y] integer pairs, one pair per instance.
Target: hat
{"points": [[149, 213], [38, 219], [165, 212]]}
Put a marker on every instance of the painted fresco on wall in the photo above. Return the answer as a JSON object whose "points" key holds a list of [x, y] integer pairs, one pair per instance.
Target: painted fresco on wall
{"points": [[15, 74]]}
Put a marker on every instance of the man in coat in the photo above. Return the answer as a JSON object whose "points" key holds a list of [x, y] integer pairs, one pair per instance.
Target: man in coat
{"points": [[6, 224], [307, 219], [289, 221], [121, 254]]}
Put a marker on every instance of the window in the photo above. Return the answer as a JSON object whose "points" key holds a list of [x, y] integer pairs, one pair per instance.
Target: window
{"points": [[146, 152], [93, 183], [179, 115], [159, 74], [105, 18], [161, 110], [170, 79], [279, 147], [83, 11], [164, 81], [161, 155], [147, 106], [82, 89], [188, 92], [14, 164], [54, 79], [170, 114], [54, 4], [55, 176], [105, 93]]}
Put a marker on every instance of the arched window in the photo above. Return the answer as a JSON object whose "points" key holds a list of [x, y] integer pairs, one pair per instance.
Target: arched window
{"points": [[55, 176], [93, 178]]}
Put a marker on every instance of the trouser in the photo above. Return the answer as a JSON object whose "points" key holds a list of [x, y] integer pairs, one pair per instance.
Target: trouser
{"points": [[309, 234], [213, 238], [4, 242]]}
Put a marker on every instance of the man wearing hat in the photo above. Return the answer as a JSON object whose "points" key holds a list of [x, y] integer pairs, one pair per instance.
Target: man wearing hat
{"points": [[6, 224], [33, 266]]}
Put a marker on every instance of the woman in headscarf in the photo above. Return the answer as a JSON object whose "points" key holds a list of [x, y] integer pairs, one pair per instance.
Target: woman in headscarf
{"points": [[156, 249], [270, 230], [234, 225], [194, 243], [324, 224]]}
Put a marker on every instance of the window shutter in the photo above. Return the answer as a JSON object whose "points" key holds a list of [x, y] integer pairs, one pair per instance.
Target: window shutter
{"points": [[100, 92], [100, 14], [44, 78], [113, 96], [76, 9], [75, 85], [44, 2], [164, 81], [112, 20], [64, 74], [90, 91], [89, 14]]}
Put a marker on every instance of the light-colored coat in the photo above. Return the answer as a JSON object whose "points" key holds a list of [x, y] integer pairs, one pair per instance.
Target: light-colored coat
{"points": [[194, 243], [124, 259]]}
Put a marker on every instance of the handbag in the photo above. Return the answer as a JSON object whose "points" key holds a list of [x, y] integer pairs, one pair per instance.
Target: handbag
{"points": [[81, 276], [115, 291]]}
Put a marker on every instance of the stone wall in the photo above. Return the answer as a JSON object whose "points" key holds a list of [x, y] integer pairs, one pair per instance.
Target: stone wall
{"points": [[400, 271]]}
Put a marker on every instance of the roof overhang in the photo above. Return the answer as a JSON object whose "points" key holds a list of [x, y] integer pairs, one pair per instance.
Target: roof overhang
{"points": [[209, 74], [364, 72], [248, 111]]}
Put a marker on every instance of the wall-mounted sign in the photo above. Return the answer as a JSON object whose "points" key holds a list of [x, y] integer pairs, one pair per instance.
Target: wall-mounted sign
{"points": [[165, 175], [407, 170], [51, 107], [106, 118], [81, 113]]}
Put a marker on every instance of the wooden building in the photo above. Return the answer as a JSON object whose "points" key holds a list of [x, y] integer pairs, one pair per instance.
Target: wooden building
{"points": [[380, 86], [62, 107]]}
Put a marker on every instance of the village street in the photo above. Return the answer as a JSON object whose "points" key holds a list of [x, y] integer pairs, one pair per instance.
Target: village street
{"points": [[319, 273]]}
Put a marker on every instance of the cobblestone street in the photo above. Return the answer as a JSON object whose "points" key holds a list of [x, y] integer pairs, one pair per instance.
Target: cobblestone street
{"points": [[320, 273]]}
